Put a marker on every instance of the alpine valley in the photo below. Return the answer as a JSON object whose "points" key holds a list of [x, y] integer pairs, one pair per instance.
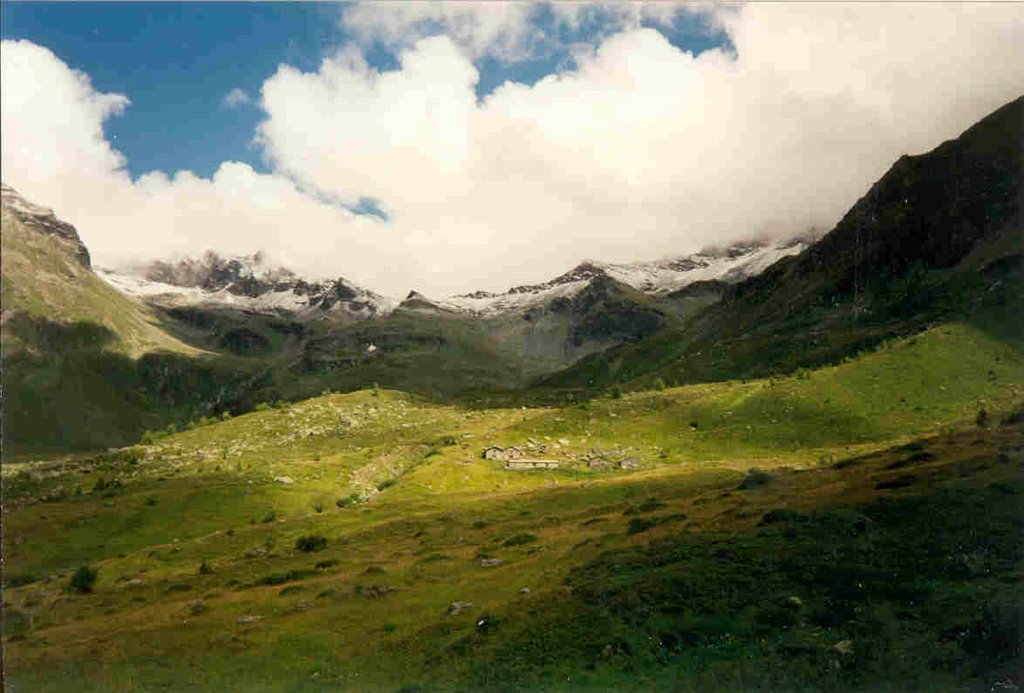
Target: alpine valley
{"points": [[794, 463]]}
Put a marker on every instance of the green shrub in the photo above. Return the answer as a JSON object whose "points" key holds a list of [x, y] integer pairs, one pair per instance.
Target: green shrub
{"points": [[19, 579], [616, 392], [659, 384], [311, 542], [205, 568], [982, 419], [270, 517], [387, 483], [348, 500], [84, 579], [640, 524], [520, 539], [756, 478], [263, 406]]}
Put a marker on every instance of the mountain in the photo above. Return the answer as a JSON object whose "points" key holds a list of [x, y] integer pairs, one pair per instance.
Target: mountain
{"points": [[250, 284], [938, 238], [47, 275]]}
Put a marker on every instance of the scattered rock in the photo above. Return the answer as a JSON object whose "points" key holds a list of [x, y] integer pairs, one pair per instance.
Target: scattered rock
{"points": [[284, 480], [456, 608], [524, 590], [490, 562], [377, 591], [525, 465], [256, 553], [843, 647], [599, 464], [135, 582], [248, 619], [563, 441], [629, 463], [496, 452]]}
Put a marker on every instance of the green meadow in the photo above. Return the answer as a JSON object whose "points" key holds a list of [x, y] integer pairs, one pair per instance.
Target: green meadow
{"points": [[854, 527]]}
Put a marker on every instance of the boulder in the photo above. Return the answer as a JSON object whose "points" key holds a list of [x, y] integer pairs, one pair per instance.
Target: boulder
{"points": [[490, 562], [284, 480], [456, 608]]}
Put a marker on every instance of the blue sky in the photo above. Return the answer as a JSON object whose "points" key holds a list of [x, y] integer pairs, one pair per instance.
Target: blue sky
{"points": [[177, 61]]}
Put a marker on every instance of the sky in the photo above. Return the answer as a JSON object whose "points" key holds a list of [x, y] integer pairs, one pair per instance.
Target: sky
{"points": [[450, 147]]}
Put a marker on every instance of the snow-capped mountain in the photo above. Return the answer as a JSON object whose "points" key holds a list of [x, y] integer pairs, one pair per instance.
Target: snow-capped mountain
{"points": [[729, 265], [249, 283], [253, 283]]}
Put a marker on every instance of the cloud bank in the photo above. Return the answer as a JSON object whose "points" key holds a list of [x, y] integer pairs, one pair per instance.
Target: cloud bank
{"points": [[640, 150]]}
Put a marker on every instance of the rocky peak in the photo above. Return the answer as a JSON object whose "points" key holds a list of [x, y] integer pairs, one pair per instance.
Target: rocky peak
{"points": [[44, 221]]}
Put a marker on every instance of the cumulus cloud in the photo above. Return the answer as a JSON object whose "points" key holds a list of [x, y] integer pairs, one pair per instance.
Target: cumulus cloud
{"points": [[236, 98], [499, 29], [55, 154], [643, 149], [640, 150]]}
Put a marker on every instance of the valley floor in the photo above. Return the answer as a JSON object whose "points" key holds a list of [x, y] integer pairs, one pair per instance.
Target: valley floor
{"points": [[855, 527]]}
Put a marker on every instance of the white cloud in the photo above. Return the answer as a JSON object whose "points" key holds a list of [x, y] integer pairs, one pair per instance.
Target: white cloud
{"points": [[55, 154], [644, 149], [641, 151], [500, 29], [236, 98]]}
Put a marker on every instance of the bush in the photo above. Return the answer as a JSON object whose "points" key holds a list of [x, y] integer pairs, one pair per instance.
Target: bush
{"points": [[348, 500], [982, 418], [270, 517], [84, 579], [756, 478], [520, 539], [640, 524], [387, 483], [262, 406], [311, 542], [616, 392], [318, 506], [659, 384], [204, 568]]}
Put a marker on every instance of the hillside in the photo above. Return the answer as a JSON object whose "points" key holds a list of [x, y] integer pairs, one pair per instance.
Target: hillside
{"points": [[439, 569], [938, 237], [47, 275]]}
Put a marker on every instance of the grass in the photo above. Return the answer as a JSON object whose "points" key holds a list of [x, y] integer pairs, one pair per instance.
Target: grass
{"points": [[670, 574]]}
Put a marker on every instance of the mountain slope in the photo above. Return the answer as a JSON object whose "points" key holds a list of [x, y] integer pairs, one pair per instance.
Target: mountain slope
{"points": [[939, 237], [47, 274]]}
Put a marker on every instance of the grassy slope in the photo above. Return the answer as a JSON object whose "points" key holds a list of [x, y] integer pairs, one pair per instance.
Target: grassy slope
{"points": [[206, 494], [41, 278]]}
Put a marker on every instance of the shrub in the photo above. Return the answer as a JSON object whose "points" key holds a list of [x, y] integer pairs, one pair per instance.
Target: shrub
{"points": [[204, 568], [84, 579], [262, 406], [756, 478], [311, 542], [640, 524], [520, 539], [318, 506], [328, 563], [375, 391], [982, 418], [348, 500], [616, 392], [270, 517], [659, 384], [18, 580]]}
